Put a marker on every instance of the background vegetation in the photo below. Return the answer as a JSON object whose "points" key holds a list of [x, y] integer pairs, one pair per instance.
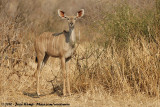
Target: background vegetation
{"points": [[118, 46]]}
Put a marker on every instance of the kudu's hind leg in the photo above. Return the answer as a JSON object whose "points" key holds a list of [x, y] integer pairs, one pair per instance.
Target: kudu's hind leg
{"points": [[45, 60], [40, 58]]}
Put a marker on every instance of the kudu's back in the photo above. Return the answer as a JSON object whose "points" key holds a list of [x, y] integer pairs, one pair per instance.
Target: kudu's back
{"points": [[49, 44]]}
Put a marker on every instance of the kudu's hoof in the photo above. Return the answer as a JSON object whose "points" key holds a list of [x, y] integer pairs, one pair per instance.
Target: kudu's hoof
{"points": [[38, 94]]}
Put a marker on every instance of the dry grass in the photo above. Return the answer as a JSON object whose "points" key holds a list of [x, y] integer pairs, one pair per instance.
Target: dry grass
{"points": [[117, 63]]}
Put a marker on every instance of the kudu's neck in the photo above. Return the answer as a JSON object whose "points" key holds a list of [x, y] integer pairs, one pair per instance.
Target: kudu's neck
{"points": [[72, 35]]}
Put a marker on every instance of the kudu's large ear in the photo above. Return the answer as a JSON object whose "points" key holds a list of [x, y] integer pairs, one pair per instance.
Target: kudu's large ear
{"points": [[80, 13], [61, 14]]}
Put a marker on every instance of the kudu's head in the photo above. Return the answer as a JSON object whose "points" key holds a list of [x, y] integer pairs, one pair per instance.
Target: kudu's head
{"points": [[71, 19]]}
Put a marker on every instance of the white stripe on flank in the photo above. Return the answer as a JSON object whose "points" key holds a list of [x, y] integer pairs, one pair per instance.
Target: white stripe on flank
{"points": [[79, 35]]}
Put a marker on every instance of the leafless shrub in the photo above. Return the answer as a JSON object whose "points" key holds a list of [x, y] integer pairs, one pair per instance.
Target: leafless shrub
{"points": [[108, 63]]}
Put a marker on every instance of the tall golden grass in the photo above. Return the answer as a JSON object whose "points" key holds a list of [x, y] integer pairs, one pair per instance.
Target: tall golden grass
{"points": [[118, 50]]}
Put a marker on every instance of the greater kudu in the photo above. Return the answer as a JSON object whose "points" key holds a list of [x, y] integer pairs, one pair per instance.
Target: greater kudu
{"points": [[61, 45]]}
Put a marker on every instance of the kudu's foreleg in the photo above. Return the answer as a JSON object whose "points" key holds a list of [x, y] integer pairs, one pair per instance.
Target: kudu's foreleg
{"points": [[68, 75], [64, 75]]}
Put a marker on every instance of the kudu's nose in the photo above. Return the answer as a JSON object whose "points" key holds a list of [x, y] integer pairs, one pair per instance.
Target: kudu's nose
{"points": [[71, 24]]}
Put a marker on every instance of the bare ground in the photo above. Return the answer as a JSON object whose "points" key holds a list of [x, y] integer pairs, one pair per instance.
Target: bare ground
{"points": [[81, 100]]}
